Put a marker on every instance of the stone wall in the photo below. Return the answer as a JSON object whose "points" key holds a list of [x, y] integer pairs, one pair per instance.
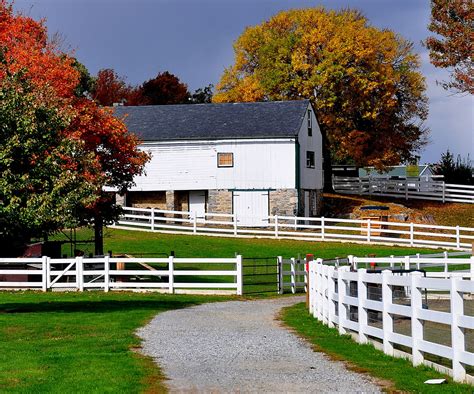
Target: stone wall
{"points": [[219, 201], [283, 202], [146, 200]]}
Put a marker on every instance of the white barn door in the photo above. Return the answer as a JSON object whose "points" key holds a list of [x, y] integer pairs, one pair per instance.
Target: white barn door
{"points": [[197, 203], [251, 208]]}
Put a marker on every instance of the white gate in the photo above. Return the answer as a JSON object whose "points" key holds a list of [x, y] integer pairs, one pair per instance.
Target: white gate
{"points": [[251, 208]]}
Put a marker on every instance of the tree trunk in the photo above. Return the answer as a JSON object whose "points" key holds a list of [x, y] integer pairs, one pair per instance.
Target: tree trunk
{"points": [[327, 164], [98, 236]]}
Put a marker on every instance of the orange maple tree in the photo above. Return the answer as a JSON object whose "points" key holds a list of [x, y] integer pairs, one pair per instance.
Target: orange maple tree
{"points": [[111, 152]]}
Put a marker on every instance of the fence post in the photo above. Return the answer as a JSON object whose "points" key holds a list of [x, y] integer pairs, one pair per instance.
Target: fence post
{"points": [[412, 234], [458, 238], [368, 230], [293, 275], [331, 292], [153, 219], [386, 316], [280, 274], [352, 262], [194, 223], [322, 228], [239, 274], [44, 273], [106, 273], [171, 274], [416, 322], [80, 272], [276, 225], [342, 308], [457, 333], [407, 262], [48, 272], [392, 261], [360, 186], [417, 261], [235, 224], [362, 312], [444, 192], [406, 189]]}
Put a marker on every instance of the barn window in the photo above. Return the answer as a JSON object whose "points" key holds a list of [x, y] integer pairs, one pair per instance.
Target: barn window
{"points": [[310, 125], [225, 160], [309, 159]]}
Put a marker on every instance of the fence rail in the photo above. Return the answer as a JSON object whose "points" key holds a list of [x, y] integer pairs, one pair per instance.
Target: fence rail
{"points": [[339, 297], [223, 275], [301, 228], [293, 274], [405, 188]]}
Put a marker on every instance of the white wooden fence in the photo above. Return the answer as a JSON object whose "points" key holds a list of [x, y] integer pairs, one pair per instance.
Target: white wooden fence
{"points": [[204, 275], [331, 302], [405, 188], [300, 228], [293, 274]]}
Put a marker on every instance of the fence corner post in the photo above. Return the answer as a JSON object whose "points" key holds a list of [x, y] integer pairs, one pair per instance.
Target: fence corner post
{"points": [[44, 273], [171, 274], [386, 316], [457, 333], [239, 275], [416, 323], [106, 273], [280, 274]]}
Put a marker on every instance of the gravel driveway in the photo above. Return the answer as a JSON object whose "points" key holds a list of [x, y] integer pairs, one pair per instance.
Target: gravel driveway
{"points": [[238, 346]]}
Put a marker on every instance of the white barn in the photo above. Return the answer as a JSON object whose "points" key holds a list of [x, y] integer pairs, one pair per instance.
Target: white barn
{"points": [[251, 159]]}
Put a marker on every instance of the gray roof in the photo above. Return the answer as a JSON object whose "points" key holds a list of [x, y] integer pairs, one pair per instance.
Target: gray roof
{"points": [[269, 119]]}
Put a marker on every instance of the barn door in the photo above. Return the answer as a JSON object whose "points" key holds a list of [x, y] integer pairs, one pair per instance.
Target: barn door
{"points": [[197, 203], [251, 208]]}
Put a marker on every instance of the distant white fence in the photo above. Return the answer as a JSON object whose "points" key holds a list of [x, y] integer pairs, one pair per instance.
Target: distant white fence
{"points": [[332, 302], [106, 273], [293, 274], [300, 228], [405, 188]]}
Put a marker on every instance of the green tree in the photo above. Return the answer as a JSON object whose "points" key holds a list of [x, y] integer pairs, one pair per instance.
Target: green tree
{"points": [[457, 172], [202, 95], [363, 82], [86, 82], [40, 186]]}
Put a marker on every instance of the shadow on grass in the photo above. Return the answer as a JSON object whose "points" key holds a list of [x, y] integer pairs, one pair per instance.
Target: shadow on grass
{"points": [[101, 306]]}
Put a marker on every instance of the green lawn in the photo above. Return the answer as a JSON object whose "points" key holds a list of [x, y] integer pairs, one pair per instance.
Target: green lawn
{"points": [[147, 244], [79, 342], [398, 374]]}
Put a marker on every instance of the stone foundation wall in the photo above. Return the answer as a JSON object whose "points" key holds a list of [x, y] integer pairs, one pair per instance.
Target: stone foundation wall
{"points": [[146, 200], [219, 201], [283, 202]]}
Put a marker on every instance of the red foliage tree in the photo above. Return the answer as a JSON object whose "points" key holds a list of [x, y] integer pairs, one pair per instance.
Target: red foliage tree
{"points": [[110, 88], [166, 88], [453, 21], [112, 152]]}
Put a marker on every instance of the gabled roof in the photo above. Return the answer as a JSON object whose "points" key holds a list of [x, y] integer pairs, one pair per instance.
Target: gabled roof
{"points": [[268, 119]]}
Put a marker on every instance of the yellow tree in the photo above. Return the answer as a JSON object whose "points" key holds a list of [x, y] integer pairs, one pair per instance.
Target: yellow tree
{"points": [[364, 82]]}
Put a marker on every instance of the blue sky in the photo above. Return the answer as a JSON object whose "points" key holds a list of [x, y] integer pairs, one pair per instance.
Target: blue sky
{"points": [[193, 39]]}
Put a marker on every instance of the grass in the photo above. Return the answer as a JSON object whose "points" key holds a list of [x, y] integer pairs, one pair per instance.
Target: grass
{"points": [[396, 374], [147, 244], [80, 342]]}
